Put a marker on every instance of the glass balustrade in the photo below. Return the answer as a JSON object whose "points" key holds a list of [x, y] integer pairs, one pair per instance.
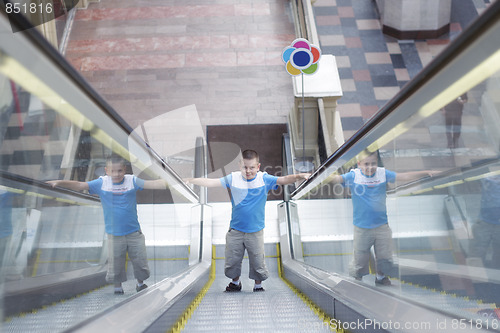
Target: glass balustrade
{"points": [[52, 239], [430, 162]]}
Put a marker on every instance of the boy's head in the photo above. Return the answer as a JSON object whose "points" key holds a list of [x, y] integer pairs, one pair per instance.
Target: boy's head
{"points": [[369, 164], [249, 165], [116, 167]]}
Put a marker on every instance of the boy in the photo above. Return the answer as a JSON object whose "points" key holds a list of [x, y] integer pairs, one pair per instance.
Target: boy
{"points": [[486, 230], [368, 185], [117, 191], [249, 188]]}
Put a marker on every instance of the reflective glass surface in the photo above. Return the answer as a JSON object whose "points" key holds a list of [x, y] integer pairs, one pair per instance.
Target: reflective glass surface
{"points": [[416, 197], [53, 242]]}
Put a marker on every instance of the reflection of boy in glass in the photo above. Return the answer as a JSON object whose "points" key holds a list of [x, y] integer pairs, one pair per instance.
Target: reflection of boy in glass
{"points": [[486, 230], [117, 191], [453, 120], [5, 224], [248, 190], [368, 186]]}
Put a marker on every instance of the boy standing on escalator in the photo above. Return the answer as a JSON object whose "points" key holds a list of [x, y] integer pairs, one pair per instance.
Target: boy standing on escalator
{"points": [[248, 191]]}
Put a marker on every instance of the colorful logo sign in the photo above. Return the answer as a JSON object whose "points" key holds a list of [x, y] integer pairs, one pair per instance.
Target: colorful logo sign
{"points": [[301, 57]]}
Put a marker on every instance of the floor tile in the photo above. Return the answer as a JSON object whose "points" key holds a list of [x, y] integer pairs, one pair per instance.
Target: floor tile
{"points": [[329, 40], [324, 3], [329, 11], [397, 61], [345, 11], [350, 109], [329, 30], [361, 75], [353, 42], [373, 41], [345, 72], [402, 74], [378, 58], [364, 10], [393, 48], [348, 22], [371, 24], [343, 61], [344, 3], [384, 81], [327, 20], [385, 93], [367, 111], [348, 85], [357, 58], [352, 123]]}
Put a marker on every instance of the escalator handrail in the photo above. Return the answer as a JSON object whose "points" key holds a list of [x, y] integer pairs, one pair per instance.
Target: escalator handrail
{"points": [[52, 54], [447, 176], [26, 183], [482, 23]]}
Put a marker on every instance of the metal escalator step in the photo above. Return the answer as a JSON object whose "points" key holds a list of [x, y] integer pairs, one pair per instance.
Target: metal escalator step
{"points": [[277, 309]]}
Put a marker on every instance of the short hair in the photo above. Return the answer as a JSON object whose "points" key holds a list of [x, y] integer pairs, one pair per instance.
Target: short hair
{"points": [[250, 155], [366, 153], [115, 159]]}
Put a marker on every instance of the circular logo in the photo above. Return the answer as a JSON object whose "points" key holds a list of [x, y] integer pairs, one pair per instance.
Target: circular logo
{"points": [[301, 57]]}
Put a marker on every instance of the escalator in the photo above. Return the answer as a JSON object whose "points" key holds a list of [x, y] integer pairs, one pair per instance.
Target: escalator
{"points": [[438, 284]]}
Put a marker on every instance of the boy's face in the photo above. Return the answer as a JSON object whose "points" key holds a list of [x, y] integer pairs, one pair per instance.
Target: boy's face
{"points": [[116, 171], [368, 165], [249, 168]]}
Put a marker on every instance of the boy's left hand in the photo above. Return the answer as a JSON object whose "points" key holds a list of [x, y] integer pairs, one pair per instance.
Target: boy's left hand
{"points": [[305, 175]]}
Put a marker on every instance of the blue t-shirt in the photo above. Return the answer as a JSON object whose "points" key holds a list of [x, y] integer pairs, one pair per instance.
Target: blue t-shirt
{"points": [[369, 196], [249, 199], [490, 200], [119, 203]]}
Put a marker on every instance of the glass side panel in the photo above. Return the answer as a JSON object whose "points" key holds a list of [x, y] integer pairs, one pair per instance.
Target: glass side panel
{"points": [[172, 135], [417, 198], [53, 226]]}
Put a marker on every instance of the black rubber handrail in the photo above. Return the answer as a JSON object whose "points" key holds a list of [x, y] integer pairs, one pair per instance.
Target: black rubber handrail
{"points": [[25, 183]]}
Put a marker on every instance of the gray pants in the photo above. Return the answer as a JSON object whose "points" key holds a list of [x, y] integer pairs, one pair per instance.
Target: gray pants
{"points": [[486, 234], [381, 240], [236, 243], [135, 245]]}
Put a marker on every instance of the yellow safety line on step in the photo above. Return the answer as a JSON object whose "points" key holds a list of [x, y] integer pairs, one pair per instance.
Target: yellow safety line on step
{"points": [[184, 317], [325, 318]]}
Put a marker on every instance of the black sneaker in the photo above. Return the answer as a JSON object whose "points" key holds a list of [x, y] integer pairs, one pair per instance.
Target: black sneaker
{"points": [[119, 292], [139, 288], [258, 289], [231, 287], [383, 282]]}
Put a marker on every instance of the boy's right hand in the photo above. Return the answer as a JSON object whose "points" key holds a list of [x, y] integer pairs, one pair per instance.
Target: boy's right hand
{"points": [[52, 183]]}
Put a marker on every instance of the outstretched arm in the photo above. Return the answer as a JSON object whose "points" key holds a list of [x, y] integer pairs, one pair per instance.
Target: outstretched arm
{"points": [[335, 179], [69, 184], [206, 182], [158, 184], [289, 179], [409, 176]]}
